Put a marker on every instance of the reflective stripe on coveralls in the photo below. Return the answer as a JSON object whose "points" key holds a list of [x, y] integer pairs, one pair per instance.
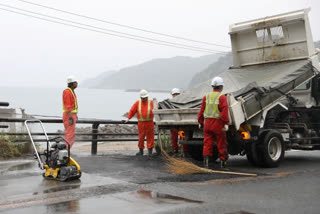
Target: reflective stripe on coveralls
{"points": [[212, 102], [145, 128], [75, 110], [148, 112]]}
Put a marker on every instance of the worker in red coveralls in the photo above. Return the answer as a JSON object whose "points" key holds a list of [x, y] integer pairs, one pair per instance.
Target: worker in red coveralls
{"points": [[143, 108], [175, 133], [70, 109], [215, 118]]}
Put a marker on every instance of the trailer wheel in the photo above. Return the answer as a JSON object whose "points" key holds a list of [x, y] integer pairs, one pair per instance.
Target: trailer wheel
{"points": [[272, 148]]}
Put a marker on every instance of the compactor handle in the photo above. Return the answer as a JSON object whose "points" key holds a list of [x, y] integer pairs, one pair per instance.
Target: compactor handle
{"points": [[26, 123]]}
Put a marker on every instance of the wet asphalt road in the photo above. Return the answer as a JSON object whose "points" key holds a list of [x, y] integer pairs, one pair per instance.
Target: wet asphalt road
{"points": [[123, 183]]}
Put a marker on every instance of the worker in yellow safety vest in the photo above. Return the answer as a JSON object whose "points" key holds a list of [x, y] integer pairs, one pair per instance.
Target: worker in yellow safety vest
{"points": [[70, 109], [214, 119], [143, 108]]}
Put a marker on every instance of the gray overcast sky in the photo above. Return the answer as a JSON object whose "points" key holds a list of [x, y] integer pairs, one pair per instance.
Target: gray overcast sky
{"points": [[42, 54]]}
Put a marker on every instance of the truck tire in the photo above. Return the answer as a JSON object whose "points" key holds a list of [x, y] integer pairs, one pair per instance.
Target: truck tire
{"points": [[272, 148], [254, 155], [195, 152]]}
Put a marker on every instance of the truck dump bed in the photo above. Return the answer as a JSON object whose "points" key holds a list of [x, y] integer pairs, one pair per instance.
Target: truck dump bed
{"points": [[256, 87], [272, 56]]}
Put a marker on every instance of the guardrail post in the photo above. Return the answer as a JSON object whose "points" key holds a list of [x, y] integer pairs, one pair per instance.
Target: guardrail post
{"points": [[94, 144], [4, 104]]}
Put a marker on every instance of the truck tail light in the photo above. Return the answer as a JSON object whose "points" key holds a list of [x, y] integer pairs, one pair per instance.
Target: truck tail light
{"points": [[245, 135]]}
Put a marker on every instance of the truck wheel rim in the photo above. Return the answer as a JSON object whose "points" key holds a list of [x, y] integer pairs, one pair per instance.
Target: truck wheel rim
{"points": [[274, 148]]}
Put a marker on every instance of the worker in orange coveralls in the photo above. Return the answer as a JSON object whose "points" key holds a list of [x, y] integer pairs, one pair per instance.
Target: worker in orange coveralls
{"points": [[214, 115], [143, 108], [175, 133], [70, 109]]}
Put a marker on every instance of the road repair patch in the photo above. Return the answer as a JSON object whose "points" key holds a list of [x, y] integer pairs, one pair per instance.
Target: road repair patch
{"points": [[142, 170]]}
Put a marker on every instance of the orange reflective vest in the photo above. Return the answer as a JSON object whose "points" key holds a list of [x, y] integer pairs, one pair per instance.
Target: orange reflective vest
{"points": [[75, 110], [148, 112]]}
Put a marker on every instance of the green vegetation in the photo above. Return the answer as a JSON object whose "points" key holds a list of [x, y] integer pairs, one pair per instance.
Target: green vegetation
{"points": [[166, 144], [9, 149]]}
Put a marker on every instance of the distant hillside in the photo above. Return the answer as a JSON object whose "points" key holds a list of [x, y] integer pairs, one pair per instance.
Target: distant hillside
{"points": [[92, 82], [222, 64], [157, 74]]}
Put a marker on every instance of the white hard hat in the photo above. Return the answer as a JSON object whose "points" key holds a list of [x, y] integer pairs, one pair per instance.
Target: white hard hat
{"points": [[217, 81], [175, 91], [71, 79], [144, 93]]}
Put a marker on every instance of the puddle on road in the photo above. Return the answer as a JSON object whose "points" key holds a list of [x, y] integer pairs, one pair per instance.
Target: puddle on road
{"points": [[240, 212], [62, 188], [162, 198], [141, 201], [50, 186], [22, 166], [16, 165], [27, 182], [86, 180]]}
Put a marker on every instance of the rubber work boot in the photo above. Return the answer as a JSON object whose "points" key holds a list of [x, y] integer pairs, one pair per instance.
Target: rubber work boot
{"points": [[140, 153], [175, 153], [223, 164], [185, 154], [158, 149], [150, 152], [206, 162]]}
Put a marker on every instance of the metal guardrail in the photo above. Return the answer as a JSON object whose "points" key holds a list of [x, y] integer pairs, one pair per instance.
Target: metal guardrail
{"points": [[94, 134], [4, 104]]}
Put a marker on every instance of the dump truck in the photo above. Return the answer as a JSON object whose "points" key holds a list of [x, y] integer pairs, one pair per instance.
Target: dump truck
{"points": [[272, 88]]}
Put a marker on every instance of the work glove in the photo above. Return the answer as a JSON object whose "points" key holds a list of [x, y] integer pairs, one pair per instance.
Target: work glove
{"points": [[225, 128], [200, 126], [125, 120], [71, 120]]}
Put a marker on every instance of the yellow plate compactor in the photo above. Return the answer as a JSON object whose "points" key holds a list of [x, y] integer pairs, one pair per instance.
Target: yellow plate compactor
{"points": [[55, 158]]}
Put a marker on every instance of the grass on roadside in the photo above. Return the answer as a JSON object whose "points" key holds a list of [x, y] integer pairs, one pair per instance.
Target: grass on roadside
{"points": [[9, 149]]}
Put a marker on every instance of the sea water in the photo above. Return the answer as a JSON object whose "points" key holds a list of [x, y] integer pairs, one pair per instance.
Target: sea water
{"points": [[105, 104]]}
